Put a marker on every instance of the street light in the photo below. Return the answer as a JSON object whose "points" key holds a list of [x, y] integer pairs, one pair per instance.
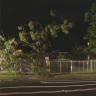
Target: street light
{"points": [[88, 56], [88, 51]]}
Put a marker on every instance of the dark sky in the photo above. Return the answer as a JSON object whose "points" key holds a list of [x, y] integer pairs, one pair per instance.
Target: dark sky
{"points": [[16, 12]]}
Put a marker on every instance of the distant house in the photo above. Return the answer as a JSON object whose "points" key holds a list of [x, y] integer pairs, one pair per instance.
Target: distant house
{"points": [[54, 54], [63, 53]]}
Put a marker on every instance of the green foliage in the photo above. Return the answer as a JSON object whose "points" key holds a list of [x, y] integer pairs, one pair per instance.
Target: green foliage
{"points": [[2, 40], [40, 37], [44, 46], [52, 13], [20, 28], [43, 35], [54, 29], [93, 8], [65, 21], [90, 17], [78, 54], [85, 38], [39, 69], [42, 73], [31, 23], [70, 24], [9, 54], [46, 29], [61, 56], [8, 44], [86, 16], [23, 37], [38, 43]]}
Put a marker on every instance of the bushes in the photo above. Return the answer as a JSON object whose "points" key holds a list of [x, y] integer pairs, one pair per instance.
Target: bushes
{"points": [[42, 72]]}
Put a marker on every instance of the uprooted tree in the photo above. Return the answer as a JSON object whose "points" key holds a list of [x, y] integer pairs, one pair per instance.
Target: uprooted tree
{"points": [[10, 54], [40, 43]]}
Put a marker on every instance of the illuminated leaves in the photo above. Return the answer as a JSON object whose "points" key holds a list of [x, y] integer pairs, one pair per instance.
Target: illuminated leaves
{"points": [[86, 16], [38, 43], [49, 26], [30, 23], [70, 24], [66, 31], [20, 28], [8, 44], [85, 38], [34, 47], [93, 50], [39, 35], [93, 8], [64, 28], [46, 28], [35, 36], [52, 13], [90, 17], [33, 55], [32, 27], [44, 46], [44, 35], [2, 38], [65, 21], [11, 41], [18, 52], [9, 54], [23, 37], [55, 28]]}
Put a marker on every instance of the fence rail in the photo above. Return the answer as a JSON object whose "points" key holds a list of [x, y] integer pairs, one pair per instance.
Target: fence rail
{"points": [[62, 66]]}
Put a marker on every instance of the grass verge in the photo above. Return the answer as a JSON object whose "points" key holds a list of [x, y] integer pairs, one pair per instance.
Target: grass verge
{"points": [[32, 77]]}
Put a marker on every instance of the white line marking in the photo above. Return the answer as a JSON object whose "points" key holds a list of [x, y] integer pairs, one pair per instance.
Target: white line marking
{"points": [[67, 82], [47, 86], [80, 90], [75, 80], [38, 92]]}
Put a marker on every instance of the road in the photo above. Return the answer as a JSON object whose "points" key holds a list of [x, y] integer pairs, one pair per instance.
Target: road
{"points": [[49, 88]]}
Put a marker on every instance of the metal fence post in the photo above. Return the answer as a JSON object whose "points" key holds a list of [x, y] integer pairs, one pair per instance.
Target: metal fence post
{"points": [[60, 67], [20, 67], [48, 64], [87, 65], [71, 66], [91, 65], [74, 65], [83, 65], [79, 66], [94, 65]]}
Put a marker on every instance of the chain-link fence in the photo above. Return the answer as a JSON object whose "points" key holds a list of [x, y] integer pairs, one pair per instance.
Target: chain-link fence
{"points": [[61, 66]]}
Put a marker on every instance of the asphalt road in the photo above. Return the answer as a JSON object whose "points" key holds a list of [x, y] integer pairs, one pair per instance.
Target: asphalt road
{"points": [[49, 88]]}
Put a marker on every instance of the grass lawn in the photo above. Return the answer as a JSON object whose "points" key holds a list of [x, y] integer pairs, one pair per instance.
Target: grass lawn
{"points": [[68, 76], [74, 76]]}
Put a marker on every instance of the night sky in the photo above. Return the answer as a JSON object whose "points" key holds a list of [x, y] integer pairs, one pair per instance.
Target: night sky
{"points": [[17, 12]]}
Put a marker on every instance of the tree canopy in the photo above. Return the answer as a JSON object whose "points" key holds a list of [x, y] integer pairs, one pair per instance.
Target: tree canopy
{"points": [[90, 18], [36, 37], [40, 36]]}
